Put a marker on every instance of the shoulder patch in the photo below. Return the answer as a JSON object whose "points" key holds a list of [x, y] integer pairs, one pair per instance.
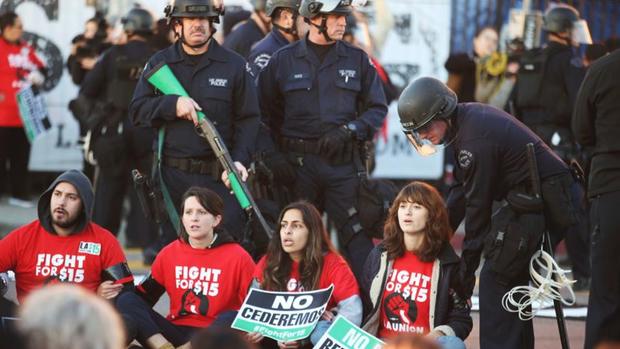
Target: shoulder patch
{"points": [[465, 158], [262, 60]]}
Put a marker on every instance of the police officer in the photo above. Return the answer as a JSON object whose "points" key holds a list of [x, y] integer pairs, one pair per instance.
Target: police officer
{"points": [[490, 151], [119, 146], [219, 85], [249, 32], [548, 78], [319, 97], [596, 126], [547, 85], [286, 25]]}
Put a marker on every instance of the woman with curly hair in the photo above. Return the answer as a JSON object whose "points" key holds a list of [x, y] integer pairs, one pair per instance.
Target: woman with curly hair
{"points": [[302, 258], [410, 280]]}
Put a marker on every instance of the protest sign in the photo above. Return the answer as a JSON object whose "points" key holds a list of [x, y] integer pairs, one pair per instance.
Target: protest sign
{"points": [[33, 112], [283, 316], [343, 334]]}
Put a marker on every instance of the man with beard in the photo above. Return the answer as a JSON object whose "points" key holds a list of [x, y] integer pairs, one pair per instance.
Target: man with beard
{"points": [[220, 86], [64, 246]]}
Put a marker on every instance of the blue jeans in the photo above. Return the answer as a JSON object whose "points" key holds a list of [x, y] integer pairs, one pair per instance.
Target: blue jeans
{"points": [[450, 342], [319, 331]]}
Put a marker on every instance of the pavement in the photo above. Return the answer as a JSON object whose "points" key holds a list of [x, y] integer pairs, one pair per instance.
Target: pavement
{"points": [[545, 328]]}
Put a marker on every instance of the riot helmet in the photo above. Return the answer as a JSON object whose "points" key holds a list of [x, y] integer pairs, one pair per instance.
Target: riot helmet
{"points": [[313, 8], [424, 100], [259, 5], [565, 18], [138, 21], [272, 5], [211, 9], [270, 10]]}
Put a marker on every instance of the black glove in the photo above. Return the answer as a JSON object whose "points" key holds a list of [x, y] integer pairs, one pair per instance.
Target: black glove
{"points": [[283, 171], [336, 143]]}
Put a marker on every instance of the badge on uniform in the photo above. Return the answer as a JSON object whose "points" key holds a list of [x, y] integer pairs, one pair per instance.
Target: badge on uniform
{"points": [[465, 158], [346, 74], [218, 82]]}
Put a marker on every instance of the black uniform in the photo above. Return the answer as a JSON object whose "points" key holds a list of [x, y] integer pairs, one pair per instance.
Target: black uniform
{"points": [[243, 37], [302, 97], [561, 73], [490, 151], [118, 145], [219, 82], [596, 124]]}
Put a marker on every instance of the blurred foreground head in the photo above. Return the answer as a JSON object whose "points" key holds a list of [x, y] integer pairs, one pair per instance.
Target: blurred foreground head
{"points": [[69, 317]]}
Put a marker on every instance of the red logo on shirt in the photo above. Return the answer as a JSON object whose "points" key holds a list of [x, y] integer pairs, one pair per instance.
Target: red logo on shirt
{"points": [[193, 303]]}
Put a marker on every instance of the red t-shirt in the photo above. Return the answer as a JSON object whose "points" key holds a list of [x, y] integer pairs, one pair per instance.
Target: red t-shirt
{"points": [[16, 62], [38, 257], [335, 271], [202, 283], [406, 297]]}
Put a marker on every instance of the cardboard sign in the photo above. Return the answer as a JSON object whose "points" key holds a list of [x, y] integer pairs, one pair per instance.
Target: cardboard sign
{"points": [[283, 316], [343, 334], [33, 112]]}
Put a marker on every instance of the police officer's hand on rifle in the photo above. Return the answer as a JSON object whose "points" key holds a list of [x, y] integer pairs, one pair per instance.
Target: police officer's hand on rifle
{"points": [[186, 109], [336, 143]]}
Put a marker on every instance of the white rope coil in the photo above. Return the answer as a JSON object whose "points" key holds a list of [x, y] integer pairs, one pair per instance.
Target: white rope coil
{"points": [[528, 300]]}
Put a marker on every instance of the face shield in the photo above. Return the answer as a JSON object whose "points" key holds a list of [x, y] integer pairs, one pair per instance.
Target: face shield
{"points": [[424, 147], [581, 33]]}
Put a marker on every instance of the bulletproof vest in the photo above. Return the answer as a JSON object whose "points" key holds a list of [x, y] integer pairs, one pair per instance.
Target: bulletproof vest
{"points": [[530, 78], [125, 74]]}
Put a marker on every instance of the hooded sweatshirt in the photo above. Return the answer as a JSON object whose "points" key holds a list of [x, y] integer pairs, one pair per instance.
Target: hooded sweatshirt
{"points": [[39, 256]]}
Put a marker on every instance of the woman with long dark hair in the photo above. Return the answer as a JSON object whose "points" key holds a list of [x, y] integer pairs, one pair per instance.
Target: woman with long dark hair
{"points": [[301, 257], [411, 279], [204, 272]]}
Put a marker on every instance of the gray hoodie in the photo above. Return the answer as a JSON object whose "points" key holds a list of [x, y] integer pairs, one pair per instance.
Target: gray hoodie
{"points": [[85, 191]]}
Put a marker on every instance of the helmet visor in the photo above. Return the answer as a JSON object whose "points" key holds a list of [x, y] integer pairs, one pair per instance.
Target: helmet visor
{"points": [[581, 33], [424, 147]]}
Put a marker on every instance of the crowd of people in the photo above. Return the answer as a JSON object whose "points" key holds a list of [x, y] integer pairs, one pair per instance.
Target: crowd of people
{"points": [[296, 100]]}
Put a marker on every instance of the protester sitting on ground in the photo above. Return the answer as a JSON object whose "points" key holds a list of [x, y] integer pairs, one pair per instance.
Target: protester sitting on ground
{"points": [[410, 279], [204, 272], [301, 257], [68, 317], [64, 246]]}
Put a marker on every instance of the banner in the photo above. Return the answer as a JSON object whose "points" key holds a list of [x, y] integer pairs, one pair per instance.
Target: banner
{"points": [[418, 45], [283, 316], [33, 112], [344, 334]]}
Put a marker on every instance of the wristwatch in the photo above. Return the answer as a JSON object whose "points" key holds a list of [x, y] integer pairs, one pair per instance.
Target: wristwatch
{"points": [[351, 128]]}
